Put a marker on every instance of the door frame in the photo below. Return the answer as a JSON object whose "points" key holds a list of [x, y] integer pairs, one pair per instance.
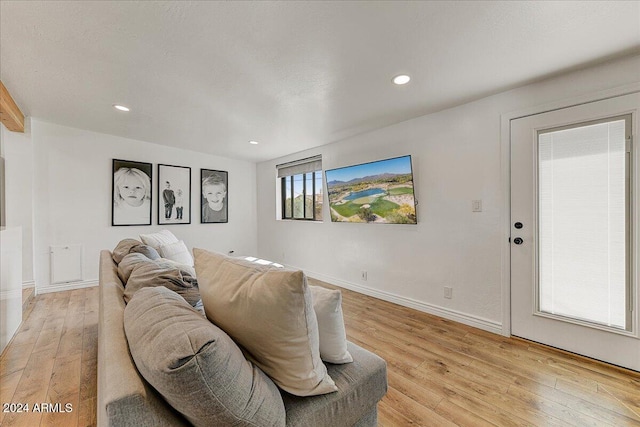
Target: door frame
{"points": [[505, 174]]}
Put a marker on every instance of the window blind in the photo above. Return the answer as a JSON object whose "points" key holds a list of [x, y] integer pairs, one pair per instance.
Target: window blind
{"points": [[582, 223], [310, 164]]}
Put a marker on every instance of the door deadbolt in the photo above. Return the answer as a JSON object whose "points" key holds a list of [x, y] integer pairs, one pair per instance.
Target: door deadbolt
{"points": [[518, 225], [518, 241]]}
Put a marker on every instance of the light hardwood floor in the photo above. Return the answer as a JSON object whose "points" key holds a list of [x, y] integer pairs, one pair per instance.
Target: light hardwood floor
{"points": [[441, 373], [52, 359]]}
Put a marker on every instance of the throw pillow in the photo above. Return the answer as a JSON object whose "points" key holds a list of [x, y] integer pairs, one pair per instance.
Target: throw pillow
{"points": [[186, 269], [195, 366], [126, 265], [123, 248], [176, 251], [147, 273], [269, 312], [155, 240], [327, 303]]}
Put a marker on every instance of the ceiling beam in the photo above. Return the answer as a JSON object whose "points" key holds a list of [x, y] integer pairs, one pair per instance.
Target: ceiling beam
{"points": [[10, 114]]}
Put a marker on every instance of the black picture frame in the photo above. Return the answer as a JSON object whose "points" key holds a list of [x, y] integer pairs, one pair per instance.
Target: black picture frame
{"points": [[131, 193], [214, 178], [355, 191], [174, 194]]}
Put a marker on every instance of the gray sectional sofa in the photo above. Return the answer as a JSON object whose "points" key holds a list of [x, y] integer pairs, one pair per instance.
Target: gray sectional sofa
{"points": [[126, 399]]}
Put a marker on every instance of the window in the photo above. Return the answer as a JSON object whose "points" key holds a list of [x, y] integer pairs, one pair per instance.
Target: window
{"points": [[301, 189]]}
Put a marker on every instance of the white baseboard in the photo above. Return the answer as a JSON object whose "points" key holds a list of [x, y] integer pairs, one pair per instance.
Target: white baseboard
{"points": [[456, 316], [28, 284], [66, 286]]}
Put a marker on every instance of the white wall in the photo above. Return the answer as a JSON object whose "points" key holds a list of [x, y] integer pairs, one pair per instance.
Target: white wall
{"points": [[18, 153], [72, 196], [456, 159]]}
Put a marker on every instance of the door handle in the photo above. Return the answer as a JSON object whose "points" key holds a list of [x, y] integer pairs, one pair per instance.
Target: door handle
{"points": [[518, 241]]}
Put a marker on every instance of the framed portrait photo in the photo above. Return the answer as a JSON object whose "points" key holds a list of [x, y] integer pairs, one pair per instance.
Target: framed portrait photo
{"points": [[174, 195], [214, 206], [131, 193]]}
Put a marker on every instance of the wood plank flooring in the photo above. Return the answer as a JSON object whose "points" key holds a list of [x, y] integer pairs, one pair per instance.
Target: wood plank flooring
{"points": [[440, 373], [52, 360]]}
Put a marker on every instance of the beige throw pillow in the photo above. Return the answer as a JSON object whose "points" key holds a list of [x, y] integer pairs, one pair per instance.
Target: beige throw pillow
{"points": [[269, 312], [128, 263], [123, 248]]}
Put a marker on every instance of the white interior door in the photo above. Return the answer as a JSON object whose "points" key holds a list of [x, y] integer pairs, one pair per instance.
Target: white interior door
{"points": [[574, 230]]}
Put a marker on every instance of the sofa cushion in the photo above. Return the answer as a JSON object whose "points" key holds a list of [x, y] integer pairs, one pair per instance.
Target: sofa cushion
{"points": [[123, 248], [146, 273], [269, 312], [361, 385], [196, 367], [125, 267], [155, 240], [327, 303], [177, 252]]}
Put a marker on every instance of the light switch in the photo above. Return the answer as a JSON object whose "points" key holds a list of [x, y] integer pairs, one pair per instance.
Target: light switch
{"points": [[476, 206]]}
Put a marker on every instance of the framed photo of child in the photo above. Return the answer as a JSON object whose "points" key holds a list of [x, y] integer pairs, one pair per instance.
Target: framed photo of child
{"points": [[213, 196], [174, 194], [131, 195]]}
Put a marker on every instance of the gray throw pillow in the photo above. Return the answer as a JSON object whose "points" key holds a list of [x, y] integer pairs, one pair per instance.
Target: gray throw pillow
{"points": [[147, 251], [195, 366], [146, 273]]}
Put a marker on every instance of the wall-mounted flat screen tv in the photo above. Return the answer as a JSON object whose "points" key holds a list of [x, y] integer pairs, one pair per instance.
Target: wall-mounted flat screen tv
{"points": [[377, 192]]}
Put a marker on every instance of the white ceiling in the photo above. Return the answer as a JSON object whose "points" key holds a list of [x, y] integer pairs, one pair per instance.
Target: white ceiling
{"points": [[210, 76]]}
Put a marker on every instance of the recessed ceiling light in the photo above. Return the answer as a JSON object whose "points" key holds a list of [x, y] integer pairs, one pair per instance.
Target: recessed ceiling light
{"points": [[402, 79], [253, 142], [120, 107]]}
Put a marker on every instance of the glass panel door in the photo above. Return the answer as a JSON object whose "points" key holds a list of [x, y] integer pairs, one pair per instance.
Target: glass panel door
{"points": [[575, 229]]}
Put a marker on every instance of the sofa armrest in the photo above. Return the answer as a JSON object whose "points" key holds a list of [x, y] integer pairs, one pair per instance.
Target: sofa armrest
{"points": [[124, 397]]}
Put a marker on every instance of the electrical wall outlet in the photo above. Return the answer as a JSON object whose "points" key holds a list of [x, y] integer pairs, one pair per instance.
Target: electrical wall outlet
{"points": [[363, 275], [448, 292]]}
